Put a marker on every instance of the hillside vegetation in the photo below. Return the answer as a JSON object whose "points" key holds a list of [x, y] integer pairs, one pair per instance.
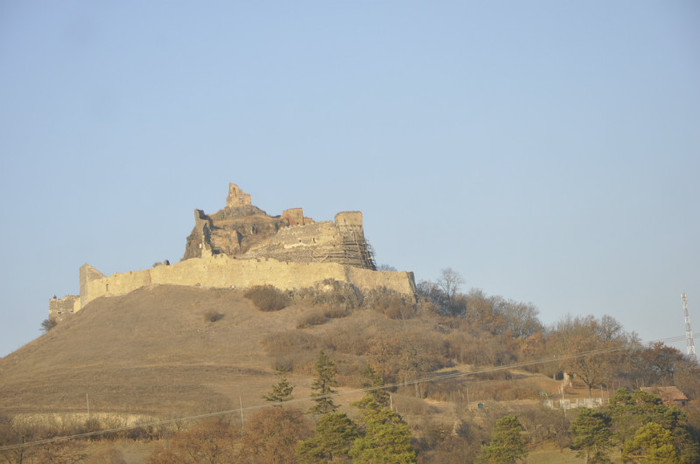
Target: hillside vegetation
{"points": [[454, 365]]}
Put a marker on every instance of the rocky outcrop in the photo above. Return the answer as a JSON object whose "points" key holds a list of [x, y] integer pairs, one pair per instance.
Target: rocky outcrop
{"points": [[244, 231]]}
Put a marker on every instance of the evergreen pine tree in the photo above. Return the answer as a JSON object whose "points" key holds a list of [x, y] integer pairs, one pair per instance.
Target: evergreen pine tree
{"points": [[386, 439], [591, 435], [335, 434], [651, 444], [506, 444], [322, 386], [375, 391], [632, 411], [282, 391]]}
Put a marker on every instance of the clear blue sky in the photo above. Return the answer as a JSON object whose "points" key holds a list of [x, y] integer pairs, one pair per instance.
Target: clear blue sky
{"points": [[547, 151]]}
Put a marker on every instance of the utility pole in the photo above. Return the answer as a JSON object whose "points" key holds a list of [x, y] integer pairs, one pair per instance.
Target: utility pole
{"points": [[689, 342]]}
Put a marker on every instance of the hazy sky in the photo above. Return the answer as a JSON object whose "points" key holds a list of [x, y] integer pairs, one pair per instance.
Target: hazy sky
{"points": [[547, 151]]}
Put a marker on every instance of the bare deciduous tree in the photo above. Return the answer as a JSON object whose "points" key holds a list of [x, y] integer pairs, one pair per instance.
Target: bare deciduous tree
{"points": [[591, 349], [450, 281]]}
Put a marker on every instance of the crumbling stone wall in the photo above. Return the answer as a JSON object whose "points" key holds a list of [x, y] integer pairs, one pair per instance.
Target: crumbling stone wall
{"points": [[87, 274], [222, 271], [247, 232], [61, 308], [322, 242], [295, 216], [236, 197]]}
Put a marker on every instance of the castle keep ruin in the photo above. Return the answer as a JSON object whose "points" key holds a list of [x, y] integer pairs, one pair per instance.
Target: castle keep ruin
{"points": [[242, 246], [244, 231]]}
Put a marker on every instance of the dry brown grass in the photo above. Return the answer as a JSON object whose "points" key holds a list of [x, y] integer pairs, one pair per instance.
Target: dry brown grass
{"points": [[146, 352]]}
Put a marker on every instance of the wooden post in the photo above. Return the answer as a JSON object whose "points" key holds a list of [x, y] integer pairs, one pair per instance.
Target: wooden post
{"points": [[240, 401]]}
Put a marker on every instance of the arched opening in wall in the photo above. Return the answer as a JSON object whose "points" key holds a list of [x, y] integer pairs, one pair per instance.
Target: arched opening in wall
{"points": [[106, 287]]}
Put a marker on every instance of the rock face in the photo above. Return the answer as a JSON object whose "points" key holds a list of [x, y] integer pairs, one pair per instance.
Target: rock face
{"points": [[244, 231]]}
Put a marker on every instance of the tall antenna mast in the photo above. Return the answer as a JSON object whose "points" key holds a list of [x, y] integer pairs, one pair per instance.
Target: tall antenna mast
{"points": [[689, 342]]}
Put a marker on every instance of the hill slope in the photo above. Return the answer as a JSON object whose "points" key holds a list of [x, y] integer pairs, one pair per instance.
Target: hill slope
{"points": [[151, 351]]}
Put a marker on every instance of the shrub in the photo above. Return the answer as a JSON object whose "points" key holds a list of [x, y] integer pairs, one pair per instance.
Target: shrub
{"points": [[479, 348], [409, 405], [267, 297], [332, 293], [336, 313], [399, 309], [350, 371], [311, 319], [352, 338], [272, 434], [292, 350], [65, 451], [161, 455], [426, 307], [291, 340], [407, 356], [213, 440], [544, 424], [108, 456], [390, 303], [297, 361], [212, 316], [48, 324], [92, 425], [466, 348]]}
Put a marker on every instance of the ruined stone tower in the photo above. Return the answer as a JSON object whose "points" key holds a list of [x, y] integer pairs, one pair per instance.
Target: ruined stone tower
{"points": [[244, 231], [236, 197]]}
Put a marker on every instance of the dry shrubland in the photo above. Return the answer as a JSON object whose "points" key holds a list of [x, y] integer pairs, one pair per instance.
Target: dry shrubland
{"points": [[267, 297], [108, 456], [319, 316]]}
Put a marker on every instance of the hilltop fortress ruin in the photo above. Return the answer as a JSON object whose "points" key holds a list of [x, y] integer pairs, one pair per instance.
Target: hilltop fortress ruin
{"points": [[242, 246]]}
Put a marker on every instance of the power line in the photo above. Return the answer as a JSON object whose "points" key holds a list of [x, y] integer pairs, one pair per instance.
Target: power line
{"points": [[431, 378]]}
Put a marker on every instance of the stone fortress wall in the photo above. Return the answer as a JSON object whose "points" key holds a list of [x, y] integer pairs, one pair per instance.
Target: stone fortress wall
{"points": [[241, 246], [61, 308]]}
